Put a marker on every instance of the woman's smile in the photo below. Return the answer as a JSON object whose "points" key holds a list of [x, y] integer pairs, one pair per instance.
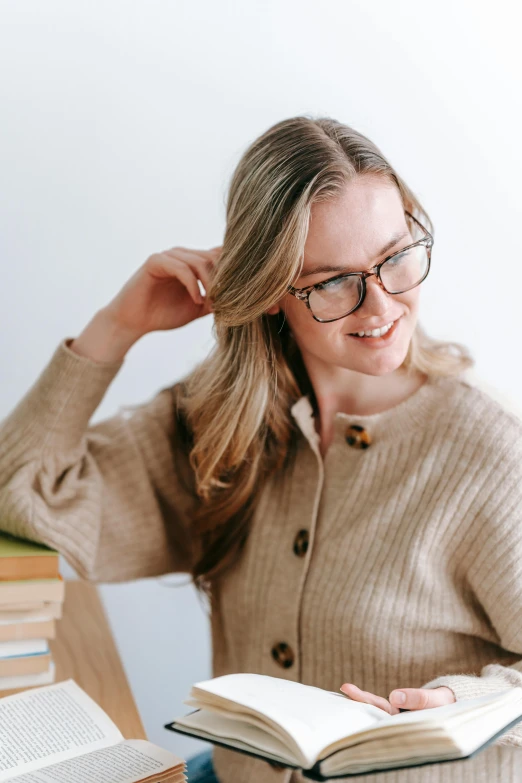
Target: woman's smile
{"points": [[380, 341]]}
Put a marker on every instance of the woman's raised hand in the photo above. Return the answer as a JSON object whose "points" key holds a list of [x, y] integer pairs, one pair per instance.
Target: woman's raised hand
{"points": [[164, 292]]}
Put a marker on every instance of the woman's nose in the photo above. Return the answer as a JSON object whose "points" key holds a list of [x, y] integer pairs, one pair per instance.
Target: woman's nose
{"points": [[376, 301]]}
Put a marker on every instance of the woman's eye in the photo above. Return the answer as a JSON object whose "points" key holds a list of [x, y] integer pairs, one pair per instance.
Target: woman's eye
{"points": [[338, 283], [396, 260], [329, 284]]}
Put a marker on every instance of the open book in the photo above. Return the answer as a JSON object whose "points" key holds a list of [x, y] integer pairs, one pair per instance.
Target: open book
{"points": [[328, 735], [58, 733]]}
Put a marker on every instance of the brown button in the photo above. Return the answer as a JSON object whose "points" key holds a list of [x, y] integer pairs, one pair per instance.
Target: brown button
{"points": [[283, 654], [301, 543], [357, 437]]}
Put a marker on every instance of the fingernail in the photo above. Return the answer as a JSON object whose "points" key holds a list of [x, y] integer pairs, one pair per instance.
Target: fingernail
{"points": [[399, 697]]}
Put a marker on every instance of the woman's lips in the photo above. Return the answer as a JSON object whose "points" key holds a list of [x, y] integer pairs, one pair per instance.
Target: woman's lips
{"points": [[378, 342]]}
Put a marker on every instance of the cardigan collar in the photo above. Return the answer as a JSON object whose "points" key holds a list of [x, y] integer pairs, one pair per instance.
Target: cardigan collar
{"points": [[397, 421]]}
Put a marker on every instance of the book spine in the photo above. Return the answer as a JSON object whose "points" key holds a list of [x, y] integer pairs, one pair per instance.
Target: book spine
{"points": [[29, 680], [25, 592], [30, 568], [28, 664], [52, 608], [17, 632]]}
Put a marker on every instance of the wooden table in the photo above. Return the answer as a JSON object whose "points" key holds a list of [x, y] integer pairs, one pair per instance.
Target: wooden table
{"points": [[84, 650]]}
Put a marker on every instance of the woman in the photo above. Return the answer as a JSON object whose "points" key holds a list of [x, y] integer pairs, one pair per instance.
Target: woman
{"points": [[349, 501]]}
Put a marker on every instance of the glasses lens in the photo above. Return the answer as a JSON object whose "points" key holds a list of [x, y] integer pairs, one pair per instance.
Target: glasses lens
{"points": [[405, 270], [335, 298]]}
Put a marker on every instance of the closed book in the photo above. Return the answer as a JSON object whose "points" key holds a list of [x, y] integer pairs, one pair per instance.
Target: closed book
{"points": [[24, 647], [22, 611], [328, 735], [22, 559], [31, 590], [25, 664], [39, 629], [28, 680]]}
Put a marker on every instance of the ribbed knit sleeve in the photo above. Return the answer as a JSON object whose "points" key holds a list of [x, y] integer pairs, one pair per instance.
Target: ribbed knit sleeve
{"points": [[114, 497], [494, 570]]}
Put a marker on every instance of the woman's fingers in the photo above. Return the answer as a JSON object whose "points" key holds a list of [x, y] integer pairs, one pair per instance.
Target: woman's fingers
{"points": [[164, 266], [355, 693], [413, 698], [422, 698], [200, 263]]}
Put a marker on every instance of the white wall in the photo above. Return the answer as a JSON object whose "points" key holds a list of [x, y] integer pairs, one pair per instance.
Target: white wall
{"points": [[120, 126]]}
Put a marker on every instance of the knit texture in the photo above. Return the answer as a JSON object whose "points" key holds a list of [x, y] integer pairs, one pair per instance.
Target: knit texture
{"points": [[413, 573]]}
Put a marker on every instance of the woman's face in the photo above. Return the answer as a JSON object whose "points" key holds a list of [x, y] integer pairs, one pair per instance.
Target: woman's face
{"points": [[348, 234]]}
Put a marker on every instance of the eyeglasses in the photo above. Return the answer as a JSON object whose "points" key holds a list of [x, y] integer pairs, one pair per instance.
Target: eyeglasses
{"points": [[341, 295]]}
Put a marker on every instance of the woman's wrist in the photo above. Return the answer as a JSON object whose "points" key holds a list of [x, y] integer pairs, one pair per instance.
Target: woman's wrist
{"points": [[103, 340]]}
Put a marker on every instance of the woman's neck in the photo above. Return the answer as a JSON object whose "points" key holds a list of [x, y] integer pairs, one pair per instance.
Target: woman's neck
{"points": [[358, 395]]}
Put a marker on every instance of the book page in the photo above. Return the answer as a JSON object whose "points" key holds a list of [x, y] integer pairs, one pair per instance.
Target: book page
{"points": [[448, 717], [209, 726], [311, 717], [128, 762], [453, 729], [50, 724]]}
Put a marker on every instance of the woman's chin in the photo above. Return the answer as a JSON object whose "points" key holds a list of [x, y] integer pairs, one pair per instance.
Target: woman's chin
{"points": [[379, 362]]}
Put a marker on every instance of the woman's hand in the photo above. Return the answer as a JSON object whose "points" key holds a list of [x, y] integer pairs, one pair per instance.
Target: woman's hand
{"points": [[164, 292], [414, 698]]}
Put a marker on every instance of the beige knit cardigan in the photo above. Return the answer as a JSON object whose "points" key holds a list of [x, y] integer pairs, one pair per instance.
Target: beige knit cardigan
{"points": [[413, 572]]}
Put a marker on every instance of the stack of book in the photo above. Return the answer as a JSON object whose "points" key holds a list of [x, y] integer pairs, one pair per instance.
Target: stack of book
{"points": [[31, 600]]}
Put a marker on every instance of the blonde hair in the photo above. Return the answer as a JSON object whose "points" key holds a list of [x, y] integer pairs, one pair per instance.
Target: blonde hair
{"points": [[236, 403]]}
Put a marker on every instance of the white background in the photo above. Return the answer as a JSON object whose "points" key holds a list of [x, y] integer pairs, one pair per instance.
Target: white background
{"points": [[121, 123]]}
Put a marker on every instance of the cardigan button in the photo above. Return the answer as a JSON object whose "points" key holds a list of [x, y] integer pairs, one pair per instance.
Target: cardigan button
{"points": [[301, 543], [358, 437], [283, 654]]}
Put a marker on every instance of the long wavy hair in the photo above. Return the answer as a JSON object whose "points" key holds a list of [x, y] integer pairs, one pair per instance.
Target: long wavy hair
{"points": [[234, 407]]}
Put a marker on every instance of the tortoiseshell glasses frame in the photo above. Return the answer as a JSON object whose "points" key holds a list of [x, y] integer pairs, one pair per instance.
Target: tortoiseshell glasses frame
{"points": [[303, 294]]}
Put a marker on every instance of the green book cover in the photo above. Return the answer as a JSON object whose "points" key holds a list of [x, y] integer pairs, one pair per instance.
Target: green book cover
{"points": [[20, 547]]}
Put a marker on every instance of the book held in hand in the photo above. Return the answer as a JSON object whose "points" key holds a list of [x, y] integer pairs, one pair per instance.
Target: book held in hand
{"points": [[59, 733], [328, 735]]}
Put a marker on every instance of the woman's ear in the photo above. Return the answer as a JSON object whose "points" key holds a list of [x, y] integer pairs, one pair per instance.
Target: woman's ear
{"points": [[273, 310]]}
